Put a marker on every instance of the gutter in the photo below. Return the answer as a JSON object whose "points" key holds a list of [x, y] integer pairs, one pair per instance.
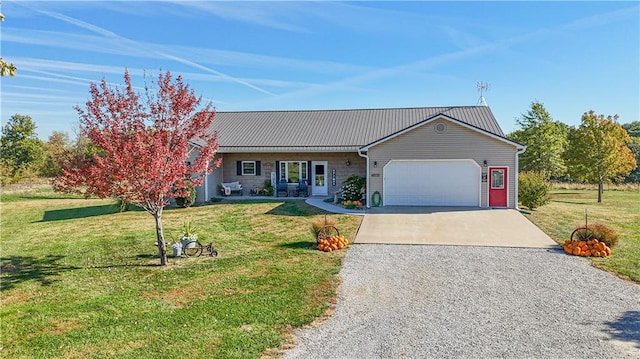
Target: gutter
{"points": [[520, 151], [368, 175]]}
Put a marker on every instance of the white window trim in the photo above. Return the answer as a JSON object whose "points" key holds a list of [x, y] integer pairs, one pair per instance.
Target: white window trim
{"points": [[254, 168], [301, 165]]}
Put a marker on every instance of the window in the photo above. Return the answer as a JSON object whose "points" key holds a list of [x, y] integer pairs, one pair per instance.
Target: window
{"points": [[293, 171], [248, 168], [497, 179]]}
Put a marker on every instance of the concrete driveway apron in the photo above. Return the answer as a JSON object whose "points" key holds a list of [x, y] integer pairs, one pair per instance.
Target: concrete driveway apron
{"points": [[451, 226]]}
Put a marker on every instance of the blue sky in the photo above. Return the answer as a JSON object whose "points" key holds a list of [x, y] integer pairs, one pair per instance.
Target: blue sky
{"points": [[572, 56]]}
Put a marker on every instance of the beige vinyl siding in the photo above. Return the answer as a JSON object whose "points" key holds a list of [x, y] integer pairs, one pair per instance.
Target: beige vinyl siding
{"points": [[200, 190], [456, 142], [213, 181]]}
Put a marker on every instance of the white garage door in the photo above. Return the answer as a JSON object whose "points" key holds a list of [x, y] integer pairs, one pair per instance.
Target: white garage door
{"points": [[432, 183]]}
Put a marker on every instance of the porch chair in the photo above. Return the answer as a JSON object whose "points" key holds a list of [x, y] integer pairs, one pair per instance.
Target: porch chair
{"points": [[282, 187], [302, 188]]}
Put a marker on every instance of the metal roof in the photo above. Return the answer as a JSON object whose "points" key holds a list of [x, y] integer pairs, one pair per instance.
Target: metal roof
{"points": [[331, 130]]}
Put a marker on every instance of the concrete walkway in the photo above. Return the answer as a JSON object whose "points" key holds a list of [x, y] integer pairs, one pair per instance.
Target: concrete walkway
{"points": [[330, 207], [452, 226]]}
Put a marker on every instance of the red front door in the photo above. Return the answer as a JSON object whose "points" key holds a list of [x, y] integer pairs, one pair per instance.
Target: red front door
{"points": [[498, 186]]}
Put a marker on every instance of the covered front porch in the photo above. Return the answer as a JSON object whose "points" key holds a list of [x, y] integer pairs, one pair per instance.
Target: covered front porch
{"points": [[260, 173]]}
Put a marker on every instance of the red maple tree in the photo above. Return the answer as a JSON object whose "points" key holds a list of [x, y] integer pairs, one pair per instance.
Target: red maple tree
{"points": [[148, 150]]}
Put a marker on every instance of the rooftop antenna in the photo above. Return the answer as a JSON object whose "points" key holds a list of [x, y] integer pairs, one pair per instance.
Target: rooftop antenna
{"points": [[482, 88]]}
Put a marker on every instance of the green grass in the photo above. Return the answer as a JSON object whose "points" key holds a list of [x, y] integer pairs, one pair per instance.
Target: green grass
{"points": [[79, 280], [35, 191], [619, 210]]}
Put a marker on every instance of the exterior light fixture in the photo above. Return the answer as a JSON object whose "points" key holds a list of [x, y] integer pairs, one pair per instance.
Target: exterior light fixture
{"points": [[484, 164], [348, 163], [375, 163]]}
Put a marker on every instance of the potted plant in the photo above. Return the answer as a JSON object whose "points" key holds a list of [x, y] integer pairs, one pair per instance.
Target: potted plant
{"points": [[189, 237]]}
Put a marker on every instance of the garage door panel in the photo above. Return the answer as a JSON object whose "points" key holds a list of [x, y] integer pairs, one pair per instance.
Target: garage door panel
{"points": [[432, 183]]}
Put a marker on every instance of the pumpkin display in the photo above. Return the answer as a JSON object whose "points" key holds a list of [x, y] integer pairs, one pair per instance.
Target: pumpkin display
{"points": [[592, 247], [333, 243]]}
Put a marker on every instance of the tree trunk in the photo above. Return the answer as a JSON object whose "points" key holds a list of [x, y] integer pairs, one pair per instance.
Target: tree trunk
{"points": [[600, 190], [162, 245]]}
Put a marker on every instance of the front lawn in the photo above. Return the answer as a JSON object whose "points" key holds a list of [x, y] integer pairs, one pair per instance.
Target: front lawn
{"points": [[79, 280], [620, 210]]}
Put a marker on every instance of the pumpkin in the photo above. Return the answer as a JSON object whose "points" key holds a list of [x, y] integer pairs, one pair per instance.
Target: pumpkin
{"points": [[592, 247]]}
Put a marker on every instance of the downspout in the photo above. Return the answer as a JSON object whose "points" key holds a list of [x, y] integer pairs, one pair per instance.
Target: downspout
{"points": [[368, 175], [206, 182], [518, 153]]}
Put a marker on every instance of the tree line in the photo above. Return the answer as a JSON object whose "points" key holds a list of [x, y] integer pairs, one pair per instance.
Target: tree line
{"points": [[23, 155], [598, 151]]}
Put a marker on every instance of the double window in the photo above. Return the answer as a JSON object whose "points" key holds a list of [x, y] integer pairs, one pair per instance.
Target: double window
{"points": [[293, 171]]}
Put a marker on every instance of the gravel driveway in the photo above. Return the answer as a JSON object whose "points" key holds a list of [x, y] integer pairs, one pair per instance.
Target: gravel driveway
{"points": [[408, 301]]}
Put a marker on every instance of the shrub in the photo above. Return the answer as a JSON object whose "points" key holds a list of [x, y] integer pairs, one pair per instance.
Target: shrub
{"points": [[189, 199], [121, 205], [604, 234], [268, 188], [353, 188], [533, 189], [318, 223]]}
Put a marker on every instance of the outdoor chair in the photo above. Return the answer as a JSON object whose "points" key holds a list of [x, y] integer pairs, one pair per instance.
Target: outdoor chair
{"points": [[282, 187], [227, 188], [302, 188]]}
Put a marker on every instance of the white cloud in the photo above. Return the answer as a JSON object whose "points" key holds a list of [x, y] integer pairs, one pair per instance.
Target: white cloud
{"points": [[133, 44]]}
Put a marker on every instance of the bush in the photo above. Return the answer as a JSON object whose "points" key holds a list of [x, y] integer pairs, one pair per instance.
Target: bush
{"points": [[318, 223], [353, 188], [121, 205], [533, 189], [604, 234], [268, 188], [189, 199]]}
